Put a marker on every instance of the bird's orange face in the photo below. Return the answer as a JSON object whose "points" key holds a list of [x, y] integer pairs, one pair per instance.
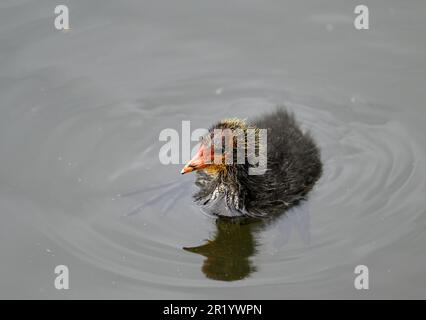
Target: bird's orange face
{"points": [[197, 162], [206, 159], [212, 155]]}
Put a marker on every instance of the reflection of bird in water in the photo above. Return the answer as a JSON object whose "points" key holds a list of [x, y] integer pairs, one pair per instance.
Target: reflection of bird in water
{"points": [[226, 184], [228, 254]]}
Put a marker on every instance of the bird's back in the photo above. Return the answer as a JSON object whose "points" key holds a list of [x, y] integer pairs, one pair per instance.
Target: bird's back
{"points": [[294, 164]]}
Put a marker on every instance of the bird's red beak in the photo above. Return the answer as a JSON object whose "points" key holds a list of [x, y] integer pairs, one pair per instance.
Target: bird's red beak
{"points": [[196, 163]]}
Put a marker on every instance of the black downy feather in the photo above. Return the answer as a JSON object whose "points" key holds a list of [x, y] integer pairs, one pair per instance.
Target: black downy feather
{"points": [[293, 167]]}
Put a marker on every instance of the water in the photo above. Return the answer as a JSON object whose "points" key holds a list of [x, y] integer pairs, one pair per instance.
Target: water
{"points": [[80, 179]]}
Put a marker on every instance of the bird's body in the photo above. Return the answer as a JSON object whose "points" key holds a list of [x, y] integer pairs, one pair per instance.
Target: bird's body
{"points": [[293, 167]]}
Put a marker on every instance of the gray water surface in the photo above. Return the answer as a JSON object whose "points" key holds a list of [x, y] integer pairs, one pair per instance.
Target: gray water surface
{"points": [[81, 183]]}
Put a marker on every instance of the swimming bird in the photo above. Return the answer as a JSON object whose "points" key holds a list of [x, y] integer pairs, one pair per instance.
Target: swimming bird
{"points": [[234, 188]]}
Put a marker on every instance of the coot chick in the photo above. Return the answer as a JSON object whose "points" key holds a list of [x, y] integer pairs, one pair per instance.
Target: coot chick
{"points": [[231, 189]]}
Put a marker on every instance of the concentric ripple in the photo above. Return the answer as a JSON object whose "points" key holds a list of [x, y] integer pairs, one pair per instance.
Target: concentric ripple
{"points": [[127, 214]]}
